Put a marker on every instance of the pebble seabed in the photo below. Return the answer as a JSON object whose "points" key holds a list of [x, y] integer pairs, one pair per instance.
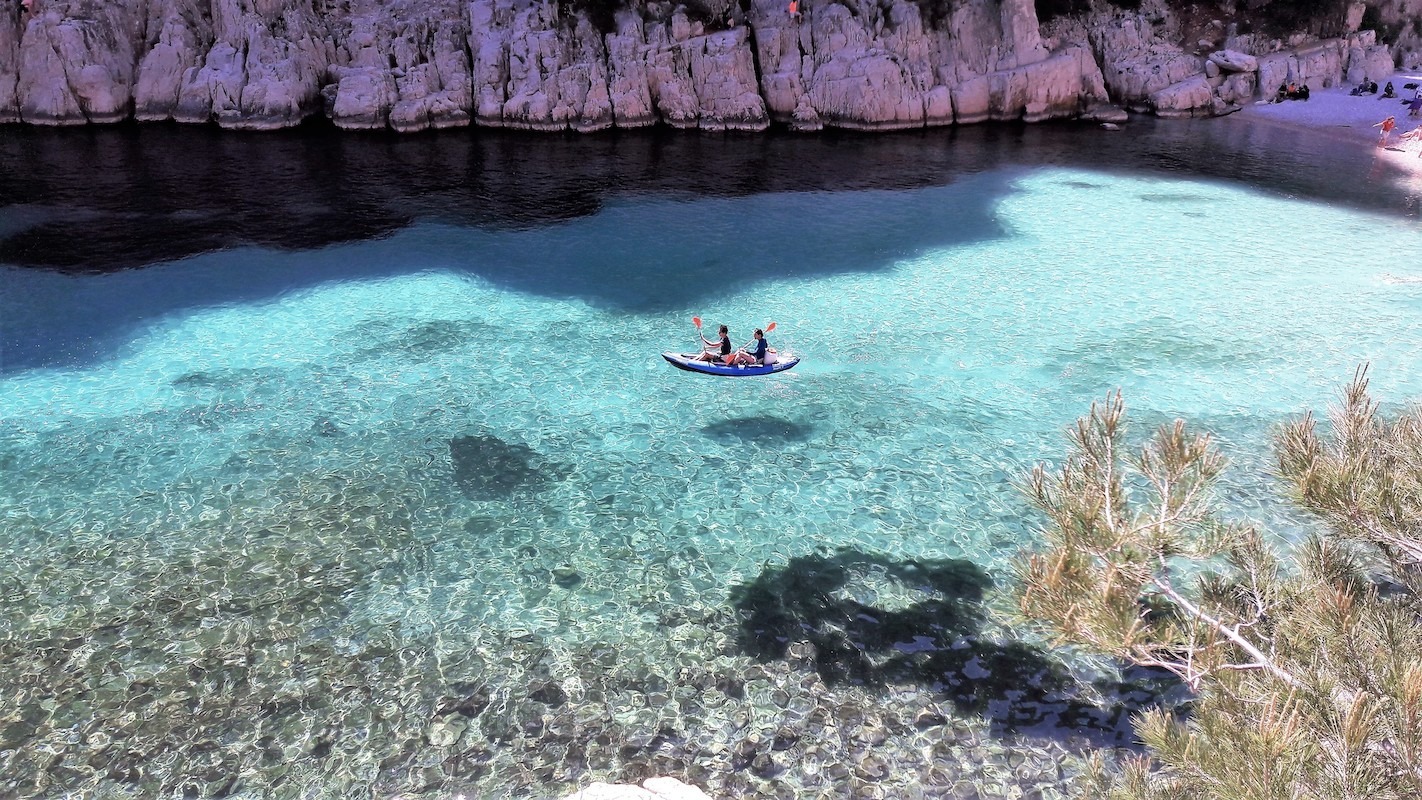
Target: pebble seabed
{"points": [[298, 633], [378, 538], [257, 598]]}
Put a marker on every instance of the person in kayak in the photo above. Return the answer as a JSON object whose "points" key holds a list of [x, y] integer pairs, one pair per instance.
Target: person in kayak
{"points": [[719, 350], [754, 353]]}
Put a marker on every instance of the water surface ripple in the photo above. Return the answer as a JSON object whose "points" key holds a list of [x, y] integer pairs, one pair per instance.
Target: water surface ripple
{"points": [[368, 480]]}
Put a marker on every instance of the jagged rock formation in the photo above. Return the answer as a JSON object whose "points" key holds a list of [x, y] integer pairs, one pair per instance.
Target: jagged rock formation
{"points": [[1148, 69], [417, 64], [536, 64]]}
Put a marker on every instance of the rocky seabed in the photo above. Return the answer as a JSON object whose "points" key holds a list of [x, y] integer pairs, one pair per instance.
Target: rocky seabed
{"points": [[414, 65]]}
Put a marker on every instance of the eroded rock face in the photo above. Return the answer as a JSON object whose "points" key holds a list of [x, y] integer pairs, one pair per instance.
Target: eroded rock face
{"points": [[77, 67], [417, 64], [10, 26], [1146, 69], [532, 64]]}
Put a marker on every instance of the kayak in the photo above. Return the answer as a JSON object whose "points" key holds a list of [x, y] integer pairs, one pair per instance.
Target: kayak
{"points": [[688, 362]]}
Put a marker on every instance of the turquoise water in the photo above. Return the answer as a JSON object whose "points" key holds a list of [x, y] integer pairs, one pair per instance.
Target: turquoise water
{"points": [[428, 513]]}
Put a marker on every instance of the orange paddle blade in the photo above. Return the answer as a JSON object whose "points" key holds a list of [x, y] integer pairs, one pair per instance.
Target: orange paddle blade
{"points": [[696, 321], [770, 327]]}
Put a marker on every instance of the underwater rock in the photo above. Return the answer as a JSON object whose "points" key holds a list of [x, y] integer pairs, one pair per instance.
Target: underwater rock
{"points": [[488, 468], [193, 379], [549, 694], [445, 732], [566, 577], [420, 339], [483, 526], [760, 429]]}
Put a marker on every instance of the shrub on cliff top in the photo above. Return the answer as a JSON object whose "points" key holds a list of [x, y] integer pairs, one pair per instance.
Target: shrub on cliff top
{"points": [[1284, 17], [601, 13]]}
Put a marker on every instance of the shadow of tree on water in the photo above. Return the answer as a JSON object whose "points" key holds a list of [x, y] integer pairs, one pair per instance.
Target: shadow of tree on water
{"points": [[865, 619]]}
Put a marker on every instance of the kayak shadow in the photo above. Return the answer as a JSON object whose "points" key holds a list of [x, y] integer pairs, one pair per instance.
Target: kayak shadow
{"points": [[758, 430]]}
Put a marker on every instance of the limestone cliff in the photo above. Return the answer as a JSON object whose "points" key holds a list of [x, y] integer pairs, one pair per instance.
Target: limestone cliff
{"points": [[1154, 60], [536, 64], [587, 65]]}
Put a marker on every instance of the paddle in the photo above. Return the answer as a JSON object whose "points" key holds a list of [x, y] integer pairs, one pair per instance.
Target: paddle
{"points": [[697, 322]]}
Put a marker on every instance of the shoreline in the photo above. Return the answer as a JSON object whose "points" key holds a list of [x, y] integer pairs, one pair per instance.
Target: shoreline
{"points": [[1337, 115]]}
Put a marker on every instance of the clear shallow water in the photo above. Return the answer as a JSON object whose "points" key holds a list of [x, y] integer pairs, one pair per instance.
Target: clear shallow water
{"points": [[427, 513]]}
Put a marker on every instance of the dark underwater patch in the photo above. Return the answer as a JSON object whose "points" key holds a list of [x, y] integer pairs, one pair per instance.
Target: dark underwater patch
{"points": [[763, 429], [194, 380], [829, 613], [419, 339], [1172, 197], [489, 468]]}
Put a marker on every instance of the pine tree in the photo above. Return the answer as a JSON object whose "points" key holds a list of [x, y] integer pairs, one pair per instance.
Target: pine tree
{"points": [[1308, 675]]}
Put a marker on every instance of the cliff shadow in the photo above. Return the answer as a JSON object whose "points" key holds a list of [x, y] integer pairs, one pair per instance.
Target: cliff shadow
{"points": [[631, 222], [865, 619]]}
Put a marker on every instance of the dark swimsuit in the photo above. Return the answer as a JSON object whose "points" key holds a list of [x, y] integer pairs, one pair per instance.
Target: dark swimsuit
{"points": [[759, 352]]}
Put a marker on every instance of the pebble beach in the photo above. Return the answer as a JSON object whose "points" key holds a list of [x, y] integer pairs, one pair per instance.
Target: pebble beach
{"points": [[1338, 114]]}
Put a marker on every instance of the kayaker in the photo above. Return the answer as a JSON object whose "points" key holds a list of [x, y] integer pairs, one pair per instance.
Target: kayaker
{"points": [[719, 350], [753, 353]]}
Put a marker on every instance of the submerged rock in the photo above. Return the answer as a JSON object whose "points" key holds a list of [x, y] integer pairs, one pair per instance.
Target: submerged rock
{"points": [[489, 468], [566, 577]]}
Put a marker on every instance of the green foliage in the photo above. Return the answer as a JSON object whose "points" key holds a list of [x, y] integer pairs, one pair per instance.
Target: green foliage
{"points": [[711, 13], [1308, 672], [1366, 482], [1282, 17], [1048, 10], [601, 13], [1373, 21]]}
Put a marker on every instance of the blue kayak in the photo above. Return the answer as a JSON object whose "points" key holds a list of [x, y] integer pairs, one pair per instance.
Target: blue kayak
{"points": [[688, 362]]}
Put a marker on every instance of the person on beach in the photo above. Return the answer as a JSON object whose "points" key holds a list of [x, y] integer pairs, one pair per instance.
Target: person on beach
{"points": [[719, 350], [755, 355], [1387, 91], [1387, 125], [794, 9]]}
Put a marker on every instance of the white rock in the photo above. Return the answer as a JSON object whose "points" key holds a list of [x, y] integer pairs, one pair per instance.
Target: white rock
{"points": [[363, 97], [1190, 97], [1237, 89], [673, 789], [972, 100], [651, 789], [629, 89], [867, 64], [1234, 61]]}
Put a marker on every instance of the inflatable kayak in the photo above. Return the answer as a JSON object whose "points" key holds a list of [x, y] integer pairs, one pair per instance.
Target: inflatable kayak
{"points": [[688, 362]]}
